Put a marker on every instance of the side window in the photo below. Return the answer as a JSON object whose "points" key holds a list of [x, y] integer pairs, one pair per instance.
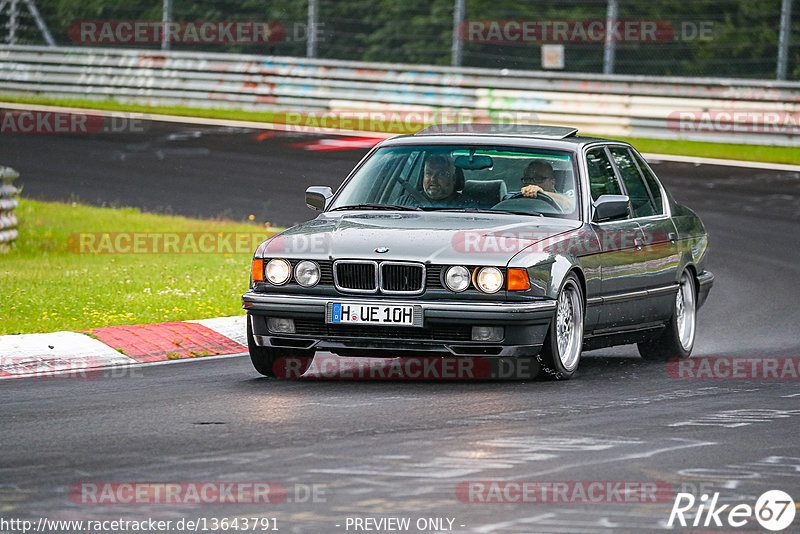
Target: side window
{"points": [[652, 183], [641, 203], [602, 179]]}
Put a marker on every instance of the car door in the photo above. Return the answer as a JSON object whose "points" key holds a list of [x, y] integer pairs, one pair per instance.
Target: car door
{"points": [[621, 258], [659, 258], [662, 246]]}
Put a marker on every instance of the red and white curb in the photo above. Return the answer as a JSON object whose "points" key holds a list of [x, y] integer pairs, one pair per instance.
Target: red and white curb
{"points": [[340, 143], [32, 355]]}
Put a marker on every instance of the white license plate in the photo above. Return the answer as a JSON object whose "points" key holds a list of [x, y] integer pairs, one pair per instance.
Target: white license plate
{"points": [[347, 313]]}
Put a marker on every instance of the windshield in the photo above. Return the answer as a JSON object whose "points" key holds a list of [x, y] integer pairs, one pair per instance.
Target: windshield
{"points": [[463, 178]]}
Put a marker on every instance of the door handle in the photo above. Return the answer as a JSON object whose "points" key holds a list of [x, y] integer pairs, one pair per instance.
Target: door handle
{"points": [[673, 236], [637, 242]]}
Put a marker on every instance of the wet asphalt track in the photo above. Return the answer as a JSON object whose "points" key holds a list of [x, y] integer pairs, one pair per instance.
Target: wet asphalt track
{"points": [[397, 448]]}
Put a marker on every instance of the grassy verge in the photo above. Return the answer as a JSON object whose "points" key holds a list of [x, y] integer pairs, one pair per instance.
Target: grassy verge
{"points": [[47, 284], [763, 153]]}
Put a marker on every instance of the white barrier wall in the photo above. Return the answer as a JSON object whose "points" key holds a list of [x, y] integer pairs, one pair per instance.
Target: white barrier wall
{"points": [[8, 202], [719, 110]]}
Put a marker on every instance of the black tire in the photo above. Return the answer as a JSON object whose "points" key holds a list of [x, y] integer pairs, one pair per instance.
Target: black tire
{"points": [[559, 362], [675, 341], [264, 359]]}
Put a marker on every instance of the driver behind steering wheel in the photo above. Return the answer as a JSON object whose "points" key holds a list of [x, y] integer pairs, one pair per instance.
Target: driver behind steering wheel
{"points": [[540, 176]]}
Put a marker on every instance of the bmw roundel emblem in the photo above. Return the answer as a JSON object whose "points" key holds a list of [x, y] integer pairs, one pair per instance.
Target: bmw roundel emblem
{"points": [[381, 250]]}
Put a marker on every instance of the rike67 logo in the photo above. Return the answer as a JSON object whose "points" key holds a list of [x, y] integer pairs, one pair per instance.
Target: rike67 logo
{"points": [[774, 510]]}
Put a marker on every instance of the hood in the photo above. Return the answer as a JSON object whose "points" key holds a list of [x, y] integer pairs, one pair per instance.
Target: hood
{"points": [[435, 237]]}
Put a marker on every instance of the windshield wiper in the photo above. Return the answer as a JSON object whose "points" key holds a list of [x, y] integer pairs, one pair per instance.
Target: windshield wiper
{"points": [[534, 213], [482, 210], [387, 207]]}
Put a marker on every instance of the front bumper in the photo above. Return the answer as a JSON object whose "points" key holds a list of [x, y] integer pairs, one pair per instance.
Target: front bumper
{"points": [[525, 326]]}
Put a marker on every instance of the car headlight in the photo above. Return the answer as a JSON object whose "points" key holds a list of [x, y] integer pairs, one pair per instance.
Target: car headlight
{"points": [[457, 278], [306, 273], [278, 271], [489, 279]]}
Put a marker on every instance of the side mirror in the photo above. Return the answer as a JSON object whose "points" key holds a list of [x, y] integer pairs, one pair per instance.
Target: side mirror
{"points": [[608, 207], [317, 197]]}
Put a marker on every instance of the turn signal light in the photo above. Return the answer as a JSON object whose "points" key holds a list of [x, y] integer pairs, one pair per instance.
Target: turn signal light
{"points": [[258, 271], [518, 280]]}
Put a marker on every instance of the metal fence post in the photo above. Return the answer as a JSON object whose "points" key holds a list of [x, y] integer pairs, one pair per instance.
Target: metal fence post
{"points": [[13, 23], [8, 201], [783, 39], [458, 19], [166, 17], [311, 34], [40, 23], [609, 49]]}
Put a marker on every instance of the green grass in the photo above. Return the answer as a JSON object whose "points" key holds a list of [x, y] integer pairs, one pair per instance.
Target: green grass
{"points": [[763, 153], [113, 105], [770, 154], [48, 286]]}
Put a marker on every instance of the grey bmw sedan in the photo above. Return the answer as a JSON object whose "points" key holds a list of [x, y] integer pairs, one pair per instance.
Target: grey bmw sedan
{"points": [[492, 241]]}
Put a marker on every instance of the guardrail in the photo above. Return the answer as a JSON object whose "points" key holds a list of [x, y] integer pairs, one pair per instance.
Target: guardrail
{"points": [[703, 109], [8, 201]]}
